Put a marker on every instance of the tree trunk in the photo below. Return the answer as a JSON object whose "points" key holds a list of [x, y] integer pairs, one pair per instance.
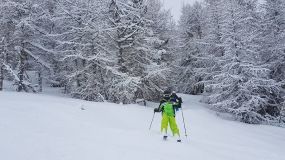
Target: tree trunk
{"points": [[78, 84], [1, 77], [4, 59], [22, 68], [40, 81]]}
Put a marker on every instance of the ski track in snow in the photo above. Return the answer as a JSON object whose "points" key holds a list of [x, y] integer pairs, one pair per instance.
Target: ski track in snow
{"points": [[46, 127]]}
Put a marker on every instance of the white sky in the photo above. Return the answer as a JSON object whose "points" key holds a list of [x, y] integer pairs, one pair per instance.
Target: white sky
{"points": [[176, 5]]}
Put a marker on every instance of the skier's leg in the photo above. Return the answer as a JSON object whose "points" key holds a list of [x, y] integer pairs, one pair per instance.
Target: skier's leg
{"points": [[174, 128], [164, 124]]}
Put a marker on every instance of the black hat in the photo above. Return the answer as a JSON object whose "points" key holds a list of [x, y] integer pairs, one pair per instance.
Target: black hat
{"points": [[167, 92]]}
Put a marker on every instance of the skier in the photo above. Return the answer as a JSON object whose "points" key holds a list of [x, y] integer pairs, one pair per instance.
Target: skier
{"points": [[176, 100], [167, 106]]}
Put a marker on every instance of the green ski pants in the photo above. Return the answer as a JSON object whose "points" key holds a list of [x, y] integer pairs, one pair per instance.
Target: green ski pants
{"points": [[172, 123]]}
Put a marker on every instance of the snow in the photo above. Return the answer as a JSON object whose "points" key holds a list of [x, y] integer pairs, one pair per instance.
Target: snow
{"points": [[47, 127]]}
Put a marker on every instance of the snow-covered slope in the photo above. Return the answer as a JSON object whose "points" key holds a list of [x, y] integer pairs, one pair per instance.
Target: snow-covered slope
{"points": [[41, 127]]}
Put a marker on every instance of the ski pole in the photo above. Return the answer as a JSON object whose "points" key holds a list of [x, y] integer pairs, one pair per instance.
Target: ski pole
{"points": [[184, 123], [151, 120]]}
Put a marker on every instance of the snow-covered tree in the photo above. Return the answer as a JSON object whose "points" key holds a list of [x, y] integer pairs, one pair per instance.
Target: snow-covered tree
{"points": [[233, 60], [13, 13], [243, 87], [83, 56], [24, 41], [139, 42], [273, 38], [191, 28]]}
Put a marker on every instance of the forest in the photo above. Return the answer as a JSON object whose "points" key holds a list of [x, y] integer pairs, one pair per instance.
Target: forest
{"points": [[230, 51]]}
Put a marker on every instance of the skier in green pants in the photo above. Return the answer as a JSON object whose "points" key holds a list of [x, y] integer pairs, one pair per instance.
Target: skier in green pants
{"points": [[168, 107]]}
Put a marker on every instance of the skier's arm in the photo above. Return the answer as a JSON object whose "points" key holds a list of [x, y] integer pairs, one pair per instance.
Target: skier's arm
{"points": [[159, 108], [177, 103], [156, 110], [180, 102]]}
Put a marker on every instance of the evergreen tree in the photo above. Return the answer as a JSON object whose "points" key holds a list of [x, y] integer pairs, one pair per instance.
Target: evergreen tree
{"points": [[140, 50], [231, 62], [191, 27]]}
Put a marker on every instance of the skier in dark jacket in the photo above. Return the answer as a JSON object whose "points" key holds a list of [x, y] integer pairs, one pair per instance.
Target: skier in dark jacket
{"points": [[168, 106], [177, 101]]}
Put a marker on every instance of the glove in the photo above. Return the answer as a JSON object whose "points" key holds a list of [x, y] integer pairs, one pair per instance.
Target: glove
{"points": [[156, 110]]}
